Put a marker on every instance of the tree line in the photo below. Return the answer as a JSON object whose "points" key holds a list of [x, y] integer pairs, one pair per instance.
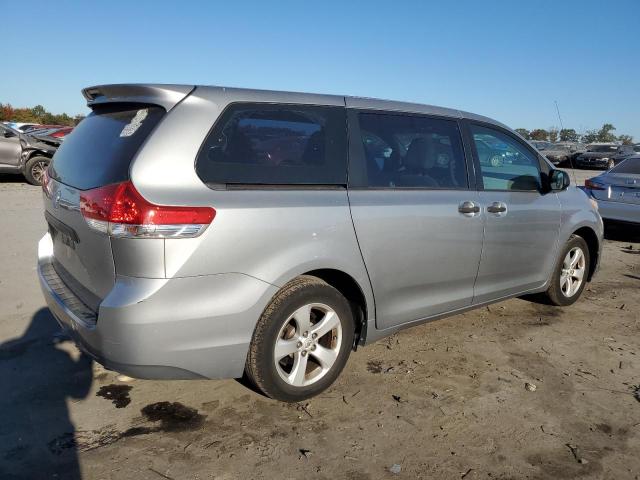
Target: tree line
{"points": [[37, 114], [604, 134]]}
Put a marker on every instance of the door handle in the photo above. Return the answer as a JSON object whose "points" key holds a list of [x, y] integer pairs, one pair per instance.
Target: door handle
{"points": [[497, 207], [468, 209]]}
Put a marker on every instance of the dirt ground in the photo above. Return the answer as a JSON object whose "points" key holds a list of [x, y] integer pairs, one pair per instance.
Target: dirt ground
{"points": [[445, 400]]}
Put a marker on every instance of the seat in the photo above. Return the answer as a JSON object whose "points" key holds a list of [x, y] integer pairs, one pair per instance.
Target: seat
{"points": [[417, 162]]}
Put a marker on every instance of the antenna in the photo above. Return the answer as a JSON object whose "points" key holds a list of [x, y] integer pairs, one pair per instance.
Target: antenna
{"points": [[573, 168], [559, 117]]}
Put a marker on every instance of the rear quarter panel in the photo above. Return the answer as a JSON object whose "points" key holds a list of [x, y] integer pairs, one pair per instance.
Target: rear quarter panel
{"points": [[271, 234]]}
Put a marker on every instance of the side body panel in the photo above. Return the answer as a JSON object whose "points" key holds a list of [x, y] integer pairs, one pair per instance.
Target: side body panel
{"points": [[520, 245]]}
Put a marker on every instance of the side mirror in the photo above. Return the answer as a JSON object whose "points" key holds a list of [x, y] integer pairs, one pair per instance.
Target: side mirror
{"points": [[559, 180]]}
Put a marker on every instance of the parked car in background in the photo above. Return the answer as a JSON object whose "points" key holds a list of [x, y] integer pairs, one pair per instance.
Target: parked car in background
{"points": [[36, 154], [624, 152], [540, 145], [598, 156], [10, 150], [21, 126], [211, 232], [617, 191]]}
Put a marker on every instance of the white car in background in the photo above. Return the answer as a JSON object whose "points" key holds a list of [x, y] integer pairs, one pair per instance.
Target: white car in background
{"points": [[617, 191]]}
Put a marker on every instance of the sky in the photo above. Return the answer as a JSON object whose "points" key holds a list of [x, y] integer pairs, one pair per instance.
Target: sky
{"points": [[509, 60]]}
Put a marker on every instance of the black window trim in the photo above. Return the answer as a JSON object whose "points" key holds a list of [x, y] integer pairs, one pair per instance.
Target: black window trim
{"points": [[543, 167], [357, 158], [272, 186]]}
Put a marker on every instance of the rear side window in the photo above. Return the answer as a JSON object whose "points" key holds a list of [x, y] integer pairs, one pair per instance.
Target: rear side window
{"points": [[267, 144], [411, 151], [101, 147]]}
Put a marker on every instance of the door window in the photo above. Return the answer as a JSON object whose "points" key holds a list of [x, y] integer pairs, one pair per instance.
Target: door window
{"points": [[411, 151], [505, 163]]}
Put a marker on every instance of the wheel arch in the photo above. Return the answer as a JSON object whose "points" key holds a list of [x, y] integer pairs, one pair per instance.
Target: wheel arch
{"points": [[352, 291], [590, 236]]}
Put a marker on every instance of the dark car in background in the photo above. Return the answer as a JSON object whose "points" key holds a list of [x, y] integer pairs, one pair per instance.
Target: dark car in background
{"points": [[599, 156]]}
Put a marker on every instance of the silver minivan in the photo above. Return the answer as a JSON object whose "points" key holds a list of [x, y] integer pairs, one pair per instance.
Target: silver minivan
{"points": [[208, 232]]}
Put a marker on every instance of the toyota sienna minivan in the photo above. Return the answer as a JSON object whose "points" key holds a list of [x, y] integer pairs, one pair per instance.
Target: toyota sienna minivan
{"points": [[208, 232]]}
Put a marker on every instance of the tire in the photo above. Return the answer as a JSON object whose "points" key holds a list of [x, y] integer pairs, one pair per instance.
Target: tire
{"points": [[303, 305], [35, 168], [563, 290]]}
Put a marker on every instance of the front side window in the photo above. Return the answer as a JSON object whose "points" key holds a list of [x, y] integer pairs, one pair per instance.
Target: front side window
{"points": [[505, 163], [410, 151], [271, 144]]}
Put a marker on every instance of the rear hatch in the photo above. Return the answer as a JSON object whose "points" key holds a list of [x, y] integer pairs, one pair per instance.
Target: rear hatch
{"points": [[98, 153]]}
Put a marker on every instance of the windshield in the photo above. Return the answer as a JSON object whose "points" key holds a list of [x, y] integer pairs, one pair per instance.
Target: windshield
{"points": [[603, 148], [541, 145], [630, 165]]}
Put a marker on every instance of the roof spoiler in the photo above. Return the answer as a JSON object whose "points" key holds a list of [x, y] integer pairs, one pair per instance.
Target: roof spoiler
{"points": [[166, 96]]}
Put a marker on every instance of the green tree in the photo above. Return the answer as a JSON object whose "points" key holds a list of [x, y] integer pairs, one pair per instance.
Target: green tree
{"points": [[568, 135], [590, 136], [38, 112], [524, 132], [553, 134], [539, 134], [625, 139], [605, 134]]}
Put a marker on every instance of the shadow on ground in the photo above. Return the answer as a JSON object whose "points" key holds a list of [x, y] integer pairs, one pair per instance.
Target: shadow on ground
{"points": [[11, 178], [621, 232], [41, 372]]}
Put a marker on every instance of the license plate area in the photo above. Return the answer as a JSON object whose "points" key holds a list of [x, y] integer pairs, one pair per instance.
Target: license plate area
{"points": [[61, 232]]}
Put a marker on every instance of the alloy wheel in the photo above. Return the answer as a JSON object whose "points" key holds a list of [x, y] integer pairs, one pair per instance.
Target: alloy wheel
{"points": [[308, 344], [37, 171], [572, 274]]}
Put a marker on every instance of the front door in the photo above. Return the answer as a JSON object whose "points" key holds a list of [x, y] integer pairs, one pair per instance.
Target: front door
{"points": [[417, 220], [522, 221]]}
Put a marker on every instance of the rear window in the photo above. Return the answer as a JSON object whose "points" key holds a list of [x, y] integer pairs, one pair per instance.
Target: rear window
{"points": [[268, 144], [630, 165], [101, 147]]}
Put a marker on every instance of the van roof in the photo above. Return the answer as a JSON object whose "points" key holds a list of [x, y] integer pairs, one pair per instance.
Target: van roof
{"points": [[167, 95]]}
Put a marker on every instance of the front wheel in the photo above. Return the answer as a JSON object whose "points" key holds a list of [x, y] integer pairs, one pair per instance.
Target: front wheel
{"points": [[571, 273], [302, 341], [35, 168]]}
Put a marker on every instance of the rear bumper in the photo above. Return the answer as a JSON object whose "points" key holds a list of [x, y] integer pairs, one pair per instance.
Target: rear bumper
{"points": [[181, 328], [622, 212]]}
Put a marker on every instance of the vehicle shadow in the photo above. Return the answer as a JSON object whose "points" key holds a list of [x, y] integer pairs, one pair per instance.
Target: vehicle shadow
{"points": [[621, 232], [11, 178], [39, 373]]}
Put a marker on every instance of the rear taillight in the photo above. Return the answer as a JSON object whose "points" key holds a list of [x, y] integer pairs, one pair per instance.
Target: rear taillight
{"points": [[120, 211], [46, 183], [593, 185]]}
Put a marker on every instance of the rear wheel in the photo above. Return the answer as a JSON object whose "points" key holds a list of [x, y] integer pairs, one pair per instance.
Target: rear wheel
{"points": [[35, 168], [302, 341], [571, 273]]}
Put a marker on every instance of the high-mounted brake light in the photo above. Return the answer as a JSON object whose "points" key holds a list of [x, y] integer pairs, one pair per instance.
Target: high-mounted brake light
{"points": [[120, 211]]}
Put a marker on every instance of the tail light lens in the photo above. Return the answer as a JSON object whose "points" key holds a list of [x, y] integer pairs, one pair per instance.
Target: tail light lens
{"points": [[593, 185], [120, 211], [46, 183]]}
